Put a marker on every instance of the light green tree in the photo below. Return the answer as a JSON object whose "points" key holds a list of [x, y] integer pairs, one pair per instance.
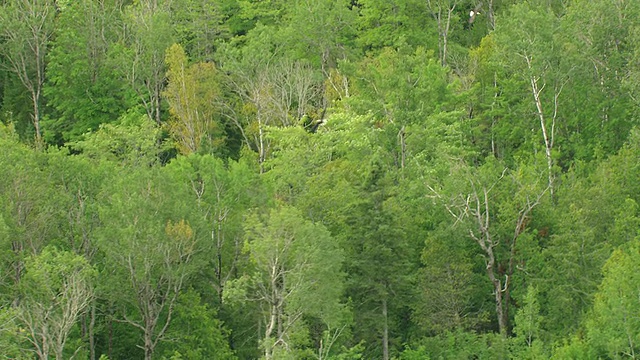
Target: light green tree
{"points": [[148, 34], [613, 325], [221, 194], [528, 342], [56, 288], [25, 193], [149, 250], [133, 140], [297, 274]]}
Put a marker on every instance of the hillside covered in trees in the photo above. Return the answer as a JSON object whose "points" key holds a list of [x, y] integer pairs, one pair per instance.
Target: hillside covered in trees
{"points": [[319, 179]]}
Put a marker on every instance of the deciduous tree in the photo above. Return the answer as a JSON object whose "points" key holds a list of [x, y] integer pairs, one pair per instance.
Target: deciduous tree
{"points": [[83, 85], [56, 288], [297, 275], [149, 249], [192, 93], [26, 27]]}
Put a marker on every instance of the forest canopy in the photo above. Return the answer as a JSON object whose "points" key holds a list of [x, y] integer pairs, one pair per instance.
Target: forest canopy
{"points": [[319, 179]]}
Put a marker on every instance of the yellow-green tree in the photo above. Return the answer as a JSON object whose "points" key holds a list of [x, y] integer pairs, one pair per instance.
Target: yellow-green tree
{"points": [[192, 94]]}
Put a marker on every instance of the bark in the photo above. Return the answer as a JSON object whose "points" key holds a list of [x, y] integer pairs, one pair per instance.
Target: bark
{"points": [[477, 206], [262, 151], [548, 130], [548, 140], [403, 147], [92, 323], [273, 311], [442, 13], [491, 16], [385, 331]]}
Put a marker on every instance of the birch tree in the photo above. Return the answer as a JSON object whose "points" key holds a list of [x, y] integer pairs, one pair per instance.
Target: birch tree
{"points": [[26, 27], [495, 207], [443, 12], [57, 288], [149, 248], [149, 34], [297, 274], [527, 43], [192, 94]]}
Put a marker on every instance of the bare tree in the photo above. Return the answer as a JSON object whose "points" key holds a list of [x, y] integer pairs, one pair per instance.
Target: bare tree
{"points": [[479, 208], [280, 93]]}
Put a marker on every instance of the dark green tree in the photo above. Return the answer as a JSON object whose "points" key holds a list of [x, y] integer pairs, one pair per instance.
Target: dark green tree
{"points": [[81, 83]]}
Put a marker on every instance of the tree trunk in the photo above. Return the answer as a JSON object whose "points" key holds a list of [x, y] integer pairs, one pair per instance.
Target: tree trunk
{"points": [[486, 243], [110, 339], [481, 212], [35, 98], [491, 16], [548, 138], [444, 25], [548, 135], [403, 147], [261, 145], [92, 323], [445, 34], [385, 331], [268, 349], [148, 344]]}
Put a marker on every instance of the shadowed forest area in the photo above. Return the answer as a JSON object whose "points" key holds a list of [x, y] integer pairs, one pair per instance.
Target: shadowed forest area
{"points": [[319, 179]]}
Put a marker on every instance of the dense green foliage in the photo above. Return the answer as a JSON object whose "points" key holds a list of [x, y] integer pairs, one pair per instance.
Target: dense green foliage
{"points": [[319, 179]]}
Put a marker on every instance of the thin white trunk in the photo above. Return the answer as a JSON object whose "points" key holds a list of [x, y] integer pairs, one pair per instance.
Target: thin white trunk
{"points": [[385, 331], [547, 134]]}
